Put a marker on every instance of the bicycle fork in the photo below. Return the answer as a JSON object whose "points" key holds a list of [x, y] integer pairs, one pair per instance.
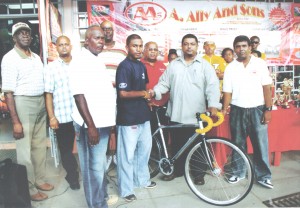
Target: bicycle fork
{"points": [[213, 165]]}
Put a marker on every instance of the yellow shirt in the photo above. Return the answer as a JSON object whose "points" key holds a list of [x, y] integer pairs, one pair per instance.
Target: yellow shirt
{"points": [[218, 63]]}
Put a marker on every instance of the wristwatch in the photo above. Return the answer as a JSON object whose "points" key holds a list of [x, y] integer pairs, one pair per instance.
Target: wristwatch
{"points": [[268, 108]]}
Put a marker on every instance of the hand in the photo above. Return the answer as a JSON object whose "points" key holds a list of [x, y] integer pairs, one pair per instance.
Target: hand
{"points": [[54, 124], [266, 118], [18, 131], [93, 136], [152, 93], [147, 95], [213, 111]]}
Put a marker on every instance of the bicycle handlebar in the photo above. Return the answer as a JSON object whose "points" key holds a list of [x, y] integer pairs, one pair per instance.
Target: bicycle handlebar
{"points": [[210, 122]]}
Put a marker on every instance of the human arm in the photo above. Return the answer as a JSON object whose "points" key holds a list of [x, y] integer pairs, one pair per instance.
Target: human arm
{"points": [[53, 122], [88, 120], [226, 101], [268, 104], [212, 88], [163, 86], [17, 125]]}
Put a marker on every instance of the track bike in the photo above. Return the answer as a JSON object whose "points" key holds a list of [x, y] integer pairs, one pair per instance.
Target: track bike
{"points": [[214, 158]]}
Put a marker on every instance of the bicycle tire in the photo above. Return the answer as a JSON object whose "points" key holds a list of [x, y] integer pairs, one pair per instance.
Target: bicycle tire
{"points": [[217, 190], [155, 156]]}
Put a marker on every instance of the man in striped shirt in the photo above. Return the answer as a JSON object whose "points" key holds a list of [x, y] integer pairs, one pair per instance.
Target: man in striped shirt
{"points": [[59, 104]]}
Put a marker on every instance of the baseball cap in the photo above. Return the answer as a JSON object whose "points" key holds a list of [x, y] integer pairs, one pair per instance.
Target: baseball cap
{"points": [[18, 26]]}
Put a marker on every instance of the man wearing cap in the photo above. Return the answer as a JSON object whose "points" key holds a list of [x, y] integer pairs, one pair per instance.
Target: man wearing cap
{"points": [[217, 62], [22, 82]]}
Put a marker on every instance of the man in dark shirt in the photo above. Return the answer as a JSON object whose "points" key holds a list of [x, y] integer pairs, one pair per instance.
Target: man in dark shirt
{"points": [[133, 125]]}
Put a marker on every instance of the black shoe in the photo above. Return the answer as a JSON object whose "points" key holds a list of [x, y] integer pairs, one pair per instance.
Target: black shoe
{"points": [[168, 177], [75, 186], [130, 198], [199, 181], [152, 185]]}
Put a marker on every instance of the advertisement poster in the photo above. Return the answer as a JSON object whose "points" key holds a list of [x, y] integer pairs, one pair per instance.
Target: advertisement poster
{"points": [[166, 22]]}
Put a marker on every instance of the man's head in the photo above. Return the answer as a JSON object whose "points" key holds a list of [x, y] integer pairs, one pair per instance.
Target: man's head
{"points": [[151, 51], [227, 55], [242, 48], [108, 30], [189, 44], [255, 41], [21, 33], [172, 55], [209, 47], [134, 46], [63, 46], [94, 39]]}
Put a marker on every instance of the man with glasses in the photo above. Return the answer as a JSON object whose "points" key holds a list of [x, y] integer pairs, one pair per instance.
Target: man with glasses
{"points": [[23, 85], [112, 54], [255, 42]]}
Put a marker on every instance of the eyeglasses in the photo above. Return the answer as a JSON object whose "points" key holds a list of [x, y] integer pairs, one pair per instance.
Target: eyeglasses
{"points": [[255, 42], [107, 29], [152, 49]]}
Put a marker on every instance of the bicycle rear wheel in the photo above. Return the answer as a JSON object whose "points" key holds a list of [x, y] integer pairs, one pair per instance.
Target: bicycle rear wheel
{"points": [[155, 156], [228, 160]]}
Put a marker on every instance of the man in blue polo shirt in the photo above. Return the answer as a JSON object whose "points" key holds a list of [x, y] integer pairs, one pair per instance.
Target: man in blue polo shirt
{"points": [[133, 122]]}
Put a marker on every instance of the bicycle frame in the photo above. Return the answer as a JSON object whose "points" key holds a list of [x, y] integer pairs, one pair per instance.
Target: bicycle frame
{"points": [[187, 144]]}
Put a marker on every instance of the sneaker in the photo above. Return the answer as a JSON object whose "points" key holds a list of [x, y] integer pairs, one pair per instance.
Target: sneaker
{"points": [[108, 161], [112, 199], [115, 159], [130, 198], [152, 185], [234, 179], [266, 183]]}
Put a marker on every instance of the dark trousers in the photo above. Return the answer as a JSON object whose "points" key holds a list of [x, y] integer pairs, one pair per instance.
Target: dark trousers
{"points": [[179, 138], [65, 140]]}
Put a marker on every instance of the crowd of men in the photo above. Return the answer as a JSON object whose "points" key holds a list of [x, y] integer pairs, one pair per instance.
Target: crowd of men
{"points": [[81, 100]]}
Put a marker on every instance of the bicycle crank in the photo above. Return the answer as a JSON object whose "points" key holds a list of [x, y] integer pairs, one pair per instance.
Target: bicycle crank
{"points": [[166, 166]]}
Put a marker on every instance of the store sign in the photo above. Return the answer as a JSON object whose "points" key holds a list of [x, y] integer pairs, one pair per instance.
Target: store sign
{"points": [[145, 13], [166, 22]]}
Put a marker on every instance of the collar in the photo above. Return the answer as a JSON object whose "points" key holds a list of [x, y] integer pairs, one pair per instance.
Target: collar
{"points": [[197, 58], [22, 54]]}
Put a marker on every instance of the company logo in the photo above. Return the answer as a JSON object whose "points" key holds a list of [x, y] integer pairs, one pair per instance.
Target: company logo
{"points": [[145, 13], [122, 85]]}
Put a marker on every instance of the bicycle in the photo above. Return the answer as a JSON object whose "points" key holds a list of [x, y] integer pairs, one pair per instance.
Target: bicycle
{"points": [[216, 167]]}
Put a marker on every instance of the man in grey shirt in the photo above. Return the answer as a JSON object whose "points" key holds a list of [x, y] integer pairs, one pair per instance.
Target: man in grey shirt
{"points": [[193, 87]]}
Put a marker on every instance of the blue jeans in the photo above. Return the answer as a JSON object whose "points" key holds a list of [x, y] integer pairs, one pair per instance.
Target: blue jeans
{"points": [[133, 152], [246, 122], [92, 163]]}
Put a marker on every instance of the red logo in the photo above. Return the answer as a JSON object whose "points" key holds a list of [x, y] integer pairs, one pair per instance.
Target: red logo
{"points": [[145, 13]]}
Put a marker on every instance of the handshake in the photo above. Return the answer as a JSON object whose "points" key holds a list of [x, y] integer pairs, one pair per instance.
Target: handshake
{"points": [[149, 94]]}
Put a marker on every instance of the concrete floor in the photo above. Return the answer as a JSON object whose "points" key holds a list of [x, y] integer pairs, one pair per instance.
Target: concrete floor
{"points": [[173, 194], [176, 193]]}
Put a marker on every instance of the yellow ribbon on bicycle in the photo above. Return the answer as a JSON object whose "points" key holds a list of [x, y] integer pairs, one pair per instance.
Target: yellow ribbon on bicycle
{"points": [[210, 122]]}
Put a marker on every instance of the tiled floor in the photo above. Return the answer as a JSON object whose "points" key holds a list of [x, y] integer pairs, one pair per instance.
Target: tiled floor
{"points": [[175, 194]]}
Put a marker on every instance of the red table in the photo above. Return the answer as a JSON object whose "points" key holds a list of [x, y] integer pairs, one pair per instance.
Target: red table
{"points": [[284, 132]]}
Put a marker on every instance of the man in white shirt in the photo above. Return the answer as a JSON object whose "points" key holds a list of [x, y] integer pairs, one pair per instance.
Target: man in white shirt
{"points": [[247, 90], [22, 76], [93, 117]]}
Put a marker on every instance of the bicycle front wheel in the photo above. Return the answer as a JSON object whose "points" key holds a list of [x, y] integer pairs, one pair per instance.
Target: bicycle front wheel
{"points": [[218, 162], [155, 156]]}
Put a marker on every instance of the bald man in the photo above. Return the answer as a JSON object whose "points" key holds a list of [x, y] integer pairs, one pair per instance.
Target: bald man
{"points": [[59, 104], [112, 54]]}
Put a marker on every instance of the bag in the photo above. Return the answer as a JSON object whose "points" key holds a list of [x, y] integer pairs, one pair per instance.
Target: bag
{"points": [[14, 190]]}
